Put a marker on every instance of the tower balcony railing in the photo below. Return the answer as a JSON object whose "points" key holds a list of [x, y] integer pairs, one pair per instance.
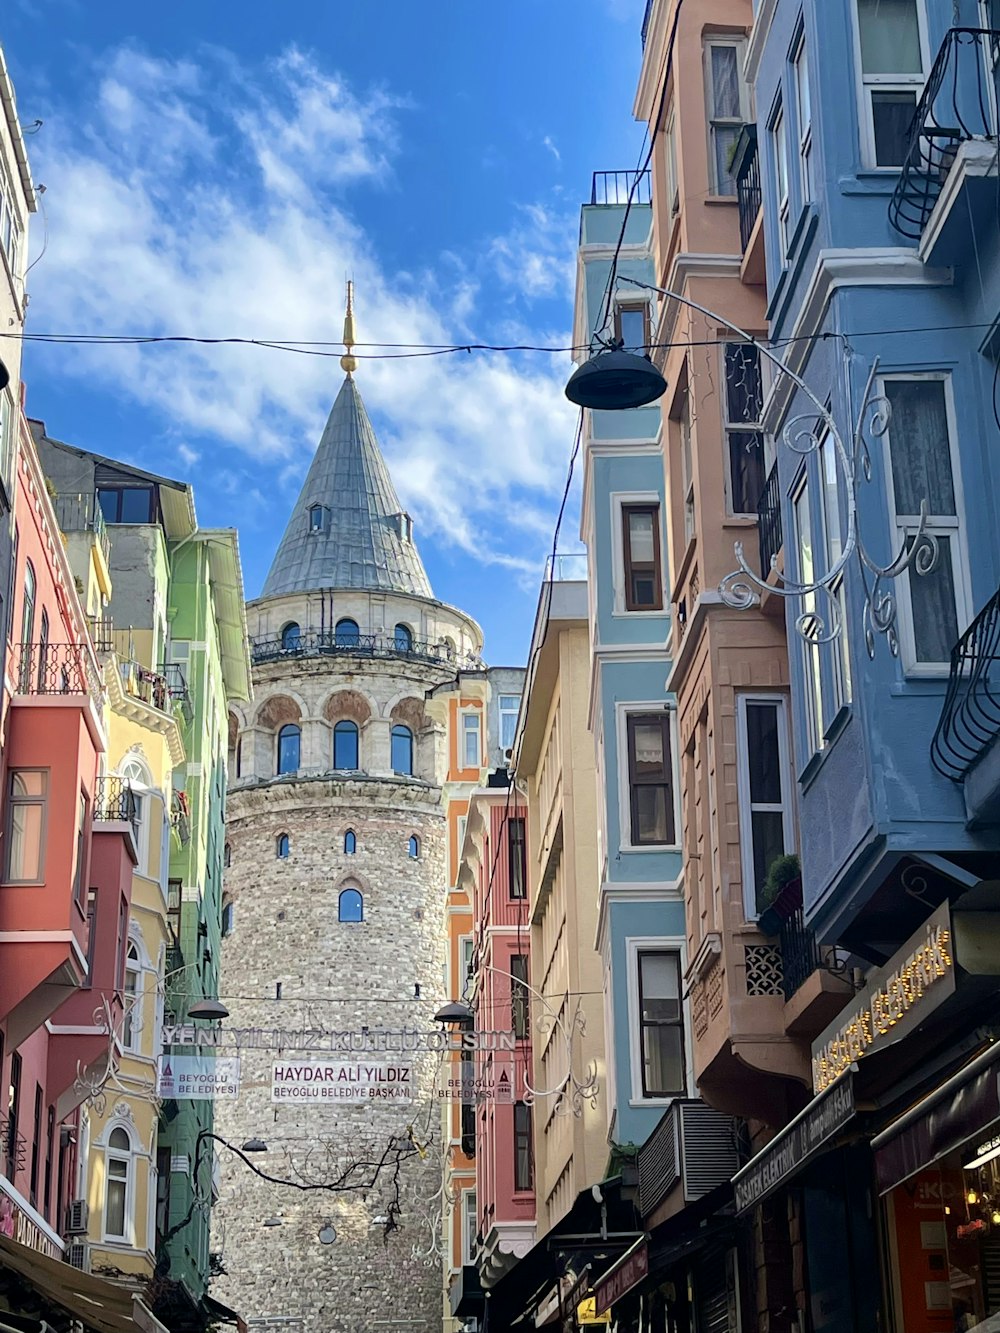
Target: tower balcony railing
{"points": [[114, 801], [332, 642], [746, 165], [958, 104], [769, 535], [55, 668], [970, 716], [617, 187]]}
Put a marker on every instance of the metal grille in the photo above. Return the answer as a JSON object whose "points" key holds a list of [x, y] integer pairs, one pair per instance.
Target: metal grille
{"points": [[748, 182], [55, 668], [708, 1145], [764, 971], [114, 801], [330, 643], [658, 1164], [769, 534], [617, 187]]}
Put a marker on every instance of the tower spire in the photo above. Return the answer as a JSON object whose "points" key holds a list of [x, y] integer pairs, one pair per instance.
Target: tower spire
{"points": [[348, 361]]}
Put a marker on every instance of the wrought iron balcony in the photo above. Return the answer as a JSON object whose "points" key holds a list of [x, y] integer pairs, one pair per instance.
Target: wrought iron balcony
{"points": [[177, 688], [970, 718], [800, 954], [55, 668], [149, 686], [82, 513], [180, 816], [958, 104], [325, 643], [746, 168], [769, 534], [616, 187], [114, 801], [102, 633]]}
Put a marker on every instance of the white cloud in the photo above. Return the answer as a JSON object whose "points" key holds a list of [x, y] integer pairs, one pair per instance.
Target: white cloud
{"points": [[549, 143], [204, 199]]}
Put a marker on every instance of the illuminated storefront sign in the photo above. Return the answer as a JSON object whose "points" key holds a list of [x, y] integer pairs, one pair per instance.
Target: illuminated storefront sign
{"points": [[894, 1001], [329, 1081]]}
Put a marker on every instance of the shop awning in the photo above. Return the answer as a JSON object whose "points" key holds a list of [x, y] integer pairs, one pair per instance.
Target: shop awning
{"points": [[966, 1106], [100, 1306]]}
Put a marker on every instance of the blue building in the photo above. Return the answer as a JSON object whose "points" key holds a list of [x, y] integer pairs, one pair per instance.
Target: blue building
{"points": [[641, 932]]}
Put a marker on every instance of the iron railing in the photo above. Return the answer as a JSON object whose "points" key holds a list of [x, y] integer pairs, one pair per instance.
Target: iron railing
{"points": [[82, 513], [769, 536], [13, 1147], [958, 103], [323, 643], [114, 801], [571, 568], [746, 165], [55, 668], [149, 686], [970, 717], [645, 22], [102, 633], [180, 816], [800, 954], [177, 688], [617, 187]]}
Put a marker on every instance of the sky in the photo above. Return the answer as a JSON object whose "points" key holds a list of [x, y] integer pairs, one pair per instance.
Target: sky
{"points": [[219, 169]]}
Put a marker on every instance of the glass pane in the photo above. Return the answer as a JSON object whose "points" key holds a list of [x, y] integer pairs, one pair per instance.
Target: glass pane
{"points": [[802, 86], [768, 842], [108, 500], [508, 729], [659, 977], [347, 634], [744, 389], [652, 812], [119, 1139], [345, 745], [647, 747], [402, 751], [642, 592], [746, 469], [115, 1214], [831, 502], [288, 750], [725, 83], [640, 536], [725, 137], [803, 532], [932, 599], [890, 37], [25, 782], [891, 117], [764, 754], [470, 728], [136, 504], [918, 446], [780, 156], [633, 328], [663, 1060], [25, 841]]}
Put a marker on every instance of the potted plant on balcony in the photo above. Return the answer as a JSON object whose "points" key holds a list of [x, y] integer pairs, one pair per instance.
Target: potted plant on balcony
{"points": [[781, 892]]}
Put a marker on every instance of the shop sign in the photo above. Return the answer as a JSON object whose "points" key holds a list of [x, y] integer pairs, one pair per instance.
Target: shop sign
{"points": [[367, 1041], [799, 1141], [17, 1224], [586, 1313], [198, 1077], [895, 1000], [626, 1274], [494, 1084], [330, 1081]]}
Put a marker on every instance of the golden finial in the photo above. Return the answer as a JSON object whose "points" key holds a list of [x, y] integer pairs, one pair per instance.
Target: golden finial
{"points": [[348, 361]]}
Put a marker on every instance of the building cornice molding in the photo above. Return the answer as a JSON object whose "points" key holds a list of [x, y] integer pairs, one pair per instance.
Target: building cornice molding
{"points": [[758, 39]]}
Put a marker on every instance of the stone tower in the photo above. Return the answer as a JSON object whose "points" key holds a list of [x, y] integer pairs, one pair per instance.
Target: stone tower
{"points": [[335, 889]]}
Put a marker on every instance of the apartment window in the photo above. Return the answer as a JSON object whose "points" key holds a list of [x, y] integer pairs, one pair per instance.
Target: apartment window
{"points": [[764, 785], [6, 439], [519, 994], [81, 847], [892, 76], [127, 504], [469, 1228], [510, 706], [779, 157], [524, 1176], [806, 573], [228, 917], [670, 162], [725, 110], [687, 467], [289, 748], [470, 740], [803, 108], [131, 1023], [10, 227], [744, 404], [833, 541], [27, 792], [351, 906], [345, 745], [91, 934], [517, 856], [641, 547], [650, 779], [50, 1136], [162, 1193], [118, 1184], [632, 325], [467, 1116], [661, 1024], [402, 750], [43, 652], [920, 442], [13, 1115], [36, 1146], [140, 779]]}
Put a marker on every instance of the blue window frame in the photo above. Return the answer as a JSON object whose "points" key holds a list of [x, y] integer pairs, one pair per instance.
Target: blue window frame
{"points": [[282, 846], [351, 906], [402, 750], [289, 747], [347, 634], [345, 745]]}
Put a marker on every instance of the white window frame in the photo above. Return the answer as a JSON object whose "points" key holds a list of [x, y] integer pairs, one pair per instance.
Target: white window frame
{"points": [[7, 435], [508, 712], [619, 500], [778, 137], [469, 1228], [129, 1158], [634, 945], [465, 716], [137, 772], [41, 801], [622, 713], [713, 122], [889, 83], [11, 243], [730, 426], [746, 807], [842, 676], [132, 1017], [685, 427], [942, 525], [803, 115], [673, 195], [812, 666], [466, 951]]}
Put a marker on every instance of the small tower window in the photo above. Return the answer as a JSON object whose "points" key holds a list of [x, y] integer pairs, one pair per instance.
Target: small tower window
{"points": [[227, 856], [345, 745], [404, 639], [414, 847], [289, 743], [228, 917], [282, 847], [317, 518], [350, 843], [347, 634], [351, 906], [402, 750], [291, 638]]}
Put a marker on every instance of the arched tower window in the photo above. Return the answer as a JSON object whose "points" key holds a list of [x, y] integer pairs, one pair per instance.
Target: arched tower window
{"points": [[351, 906], [413, 846], [291, 638], [227, 856], [345, 745], [316, 518], [347, 634], [289, 745], [282, 846], [402, 750], [132, 1019], [350, 842], [404, 639]]}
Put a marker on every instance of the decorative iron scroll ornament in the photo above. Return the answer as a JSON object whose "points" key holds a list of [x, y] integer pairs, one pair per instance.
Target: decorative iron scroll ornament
{"points": [[805, 433]]}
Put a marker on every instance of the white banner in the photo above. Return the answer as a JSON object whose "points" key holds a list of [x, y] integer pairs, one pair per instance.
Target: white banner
{"points": [[495, 1084], [198, 1076], [330, 1081]]}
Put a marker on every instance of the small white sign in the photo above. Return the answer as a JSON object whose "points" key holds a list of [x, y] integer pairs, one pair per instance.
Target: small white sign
{"points": [[333, 1082], [198, 1077], [495, 1084]]}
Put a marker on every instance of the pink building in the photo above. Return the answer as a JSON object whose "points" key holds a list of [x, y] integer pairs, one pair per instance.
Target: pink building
{"points": [[494, 870]]}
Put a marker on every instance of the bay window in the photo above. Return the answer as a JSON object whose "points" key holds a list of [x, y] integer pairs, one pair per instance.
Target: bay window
{"points": [[641, 548], [650, 779], [661, 1023]]}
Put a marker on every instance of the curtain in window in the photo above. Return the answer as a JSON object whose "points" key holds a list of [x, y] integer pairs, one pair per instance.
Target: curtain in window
{"points": [[725, 82]]}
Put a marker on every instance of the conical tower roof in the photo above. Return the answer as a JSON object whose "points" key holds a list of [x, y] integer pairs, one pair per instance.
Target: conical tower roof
{"points": [[348, 529]]}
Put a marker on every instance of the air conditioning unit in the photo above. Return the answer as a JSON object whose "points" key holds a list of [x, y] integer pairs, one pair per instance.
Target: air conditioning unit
{"points": [[78, 1256], [77, 1216]]}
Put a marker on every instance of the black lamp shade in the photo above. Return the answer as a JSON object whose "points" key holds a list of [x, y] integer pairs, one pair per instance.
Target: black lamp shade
{"points": [[208, 1009], [454, 1012], [255, 1145], [614, 380]]}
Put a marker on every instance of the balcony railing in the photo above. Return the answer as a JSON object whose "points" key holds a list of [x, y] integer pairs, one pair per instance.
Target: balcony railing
{"points": [[13, 1148], [323, 643], [800, 954], [958, 104], [177, 688], [746, 164], [55, 668], [82, 513], [114, 801], [769, 521], [617, 187], [102, 633], [566, 568], [970, 718], [149, 686]]}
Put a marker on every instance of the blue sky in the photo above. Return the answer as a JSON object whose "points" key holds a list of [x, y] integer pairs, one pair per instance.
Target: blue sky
{"points": [[218, 169]]}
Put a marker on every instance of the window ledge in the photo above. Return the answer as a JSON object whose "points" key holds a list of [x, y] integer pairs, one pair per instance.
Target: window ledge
{"points": [[721, 200]]}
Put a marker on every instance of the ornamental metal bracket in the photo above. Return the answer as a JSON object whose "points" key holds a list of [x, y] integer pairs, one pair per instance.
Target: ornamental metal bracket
{"points": [[820, 619]]}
